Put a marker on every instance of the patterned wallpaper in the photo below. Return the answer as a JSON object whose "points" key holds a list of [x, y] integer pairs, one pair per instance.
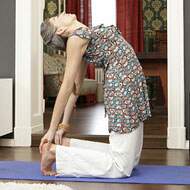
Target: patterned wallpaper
{"points": [[155, 18], [51, 8]]}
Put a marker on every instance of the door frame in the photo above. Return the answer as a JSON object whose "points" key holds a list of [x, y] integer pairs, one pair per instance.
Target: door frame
{"points": [[24, 99], [176, 131], [28, 72]]}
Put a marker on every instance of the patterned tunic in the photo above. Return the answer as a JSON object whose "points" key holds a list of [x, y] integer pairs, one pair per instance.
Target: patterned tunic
{"points": [[125, 90]]}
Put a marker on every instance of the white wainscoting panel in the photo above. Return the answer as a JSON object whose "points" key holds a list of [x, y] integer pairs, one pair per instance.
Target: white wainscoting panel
{"points": [[6, 106]]}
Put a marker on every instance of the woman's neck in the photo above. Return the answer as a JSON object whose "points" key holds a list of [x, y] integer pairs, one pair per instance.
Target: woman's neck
{"points": [[74, 26]]}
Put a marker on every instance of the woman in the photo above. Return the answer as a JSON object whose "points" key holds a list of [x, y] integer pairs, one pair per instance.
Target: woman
{"points": [[125, 98]]}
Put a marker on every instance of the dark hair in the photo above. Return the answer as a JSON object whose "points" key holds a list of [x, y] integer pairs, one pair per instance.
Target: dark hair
{"points": [[47, 31]]}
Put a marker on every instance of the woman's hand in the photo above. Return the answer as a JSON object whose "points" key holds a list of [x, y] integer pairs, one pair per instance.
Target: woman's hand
{"points": [[47, 138], [59, 136]]}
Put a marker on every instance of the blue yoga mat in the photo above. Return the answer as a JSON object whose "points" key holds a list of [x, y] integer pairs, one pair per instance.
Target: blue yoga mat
{"points": [[142, 174]]}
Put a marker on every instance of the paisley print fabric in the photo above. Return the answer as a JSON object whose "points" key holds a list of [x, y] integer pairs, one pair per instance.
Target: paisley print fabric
{"points": [[125, 90]]}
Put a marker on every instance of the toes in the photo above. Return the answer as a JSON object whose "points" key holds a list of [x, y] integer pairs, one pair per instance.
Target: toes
{"points": [[53, 173], [46, 173], [49, 173]]}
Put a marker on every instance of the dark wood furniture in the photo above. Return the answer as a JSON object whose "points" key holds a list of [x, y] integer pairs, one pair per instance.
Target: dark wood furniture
{"points": [[161, 41], [155, 64]]}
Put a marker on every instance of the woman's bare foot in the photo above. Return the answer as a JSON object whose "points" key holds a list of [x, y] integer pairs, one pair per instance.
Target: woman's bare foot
{"points": [[47, 159]]}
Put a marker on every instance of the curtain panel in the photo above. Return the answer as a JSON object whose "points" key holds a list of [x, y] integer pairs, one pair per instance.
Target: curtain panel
{"points": [[129, 19]]}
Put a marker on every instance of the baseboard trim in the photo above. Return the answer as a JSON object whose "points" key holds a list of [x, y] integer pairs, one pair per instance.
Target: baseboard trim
{"points": [[176, 138], [37, 129]]}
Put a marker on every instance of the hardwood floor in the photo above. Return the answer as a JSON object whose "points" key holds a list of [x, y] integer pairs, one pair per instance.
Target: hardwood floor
{"points": [[89, 123], [148, 156], [90, 120]]}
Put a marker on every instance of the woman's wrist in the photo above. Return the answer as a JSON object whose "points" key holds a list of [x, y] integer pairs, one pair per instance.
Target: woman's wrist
{"points": [[53, 129], [65, 127]]}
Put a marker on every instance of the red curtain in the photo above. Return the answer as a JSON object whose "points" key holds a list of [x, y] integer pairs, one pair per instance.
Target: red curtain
{"points": [[82, 9], [130, 22]]}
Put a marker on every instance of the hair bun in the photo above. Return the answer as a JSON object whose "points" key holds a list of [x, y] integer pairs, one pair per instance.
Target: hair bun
{"points": [[58, 42], [50, 38]]}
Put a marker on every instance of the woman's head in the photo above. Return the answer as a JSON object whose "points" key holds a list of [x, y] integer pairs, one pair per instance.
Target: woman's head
{"points": [[63, 20], [50, 38], [50, 26]]}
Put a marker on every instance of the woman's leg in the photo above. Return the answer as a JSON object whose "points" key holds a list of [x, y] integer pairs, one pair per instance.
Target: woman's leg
{"points": [[118, 161], [123, 155], [78, 162], [126, 149], [99, 146], [139, 145], [83, 162]]}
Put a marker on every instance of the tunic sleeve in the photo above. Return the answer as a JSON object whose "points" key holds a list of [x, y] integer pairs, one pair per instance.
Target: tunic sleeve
{"points": [[82, 32]]}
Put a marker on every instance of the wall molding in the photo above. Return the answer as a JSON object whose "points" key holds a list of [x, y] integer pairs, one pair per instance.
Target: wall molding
{"points": [[176, 127], [37, 68]]}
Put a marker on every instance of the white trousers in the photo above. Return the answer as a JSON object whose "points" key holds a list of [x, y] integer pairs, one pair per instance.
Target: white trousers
{"points": [[94, 159]]}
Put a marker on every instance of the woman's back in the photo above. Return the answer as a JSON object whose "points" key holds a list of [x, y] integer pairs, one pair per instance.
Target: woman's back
{"points": [[125, 90]]}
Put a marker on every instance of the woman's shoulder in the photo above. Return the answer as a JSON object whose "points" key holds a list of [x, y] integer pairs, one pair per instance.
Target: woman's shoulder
{"points": [[79, 38], [104, 27], [106, 30], [82, 32]]}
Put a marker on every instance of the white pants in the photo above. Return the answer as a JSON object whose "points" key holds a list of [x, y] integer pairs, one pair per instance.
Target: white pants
{"points": [[94, 159]]}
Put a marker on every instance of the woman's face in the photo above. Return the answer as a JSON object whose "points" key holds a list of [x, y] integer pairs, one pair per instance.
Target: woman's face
{"points": [[63, 20]]}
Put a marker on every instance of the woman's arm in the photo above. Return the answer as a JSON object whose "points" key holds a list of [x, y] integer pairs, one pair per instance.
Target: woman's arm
{"points": [[75, 50], [76, 47], [75, 93], [71, 102]]}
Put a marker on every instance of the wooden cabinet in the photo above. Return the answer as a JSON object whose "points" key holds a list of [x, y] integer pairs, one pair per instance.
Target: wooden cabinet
{"points": [[155, 64]]}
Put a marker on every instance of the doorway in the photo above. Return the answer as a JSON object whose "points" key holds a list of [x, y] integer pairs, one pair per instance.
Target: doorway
{"points": [[153, 60], [176, 129]]}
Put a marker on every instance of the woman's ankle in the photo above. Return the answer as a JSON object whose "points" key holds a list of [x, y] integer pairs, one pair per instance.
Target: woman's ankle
{"points": [[66, 141]]}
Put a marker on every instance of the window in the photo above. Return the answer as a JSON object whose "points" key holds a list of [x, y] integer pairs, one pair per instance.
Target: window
{"points": [[103, 12]]}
